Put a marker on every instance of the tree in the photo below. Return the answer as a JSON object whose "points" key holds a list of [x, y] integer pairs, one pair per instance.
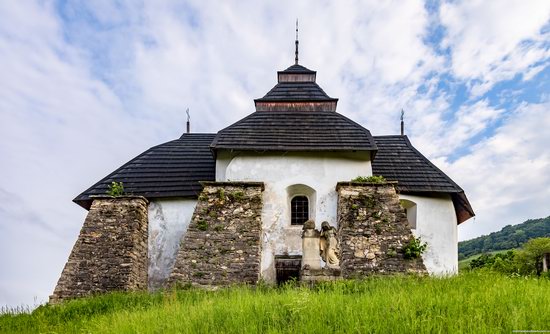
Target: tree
{"points": [[529, 259]]}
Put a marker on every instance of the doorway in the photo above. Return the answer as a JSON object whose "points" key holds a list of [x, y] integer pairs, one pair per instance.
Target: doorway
{"points": [[287, 268]]}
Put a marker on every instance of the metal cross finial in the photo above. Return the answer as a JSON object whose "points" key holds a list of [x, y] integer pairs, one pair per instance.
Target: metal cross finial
{"points": [[296, 52]]}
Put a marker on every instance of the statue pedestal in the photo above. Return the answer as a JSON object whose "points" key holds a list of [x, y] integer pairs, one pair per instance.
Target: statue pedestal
{"points": [[310, 248], [320, 275]]}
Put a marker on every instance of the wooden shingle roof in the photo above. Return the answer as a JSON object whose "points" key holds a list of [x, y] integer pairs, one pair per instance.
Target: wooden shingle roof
{"points": [[296, 91], [398, 160], [296, 68], [294, 131], [172, 169]]}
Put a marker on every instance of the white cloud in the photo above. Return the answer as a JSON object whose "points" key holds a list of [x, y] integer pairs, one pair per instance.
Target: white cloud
{"points": [[491, 41], [506, 176], [439, 137], [80, 96], [60, 130]]}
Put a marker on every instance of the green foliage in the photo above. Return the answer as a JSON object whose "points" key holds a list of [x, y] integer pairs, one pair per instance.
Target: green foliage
{"points": [[221, 194], [475, 302], [202, 225], [414, 248], [529, 259], [524, 262], [369, 179], [236, 196], [503, 262], [115, 189], [508, 238]]}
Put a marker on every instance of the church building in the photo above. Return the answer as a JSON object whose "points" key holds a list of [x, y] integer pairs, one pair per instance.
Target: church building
{"points": [[230, 207]]}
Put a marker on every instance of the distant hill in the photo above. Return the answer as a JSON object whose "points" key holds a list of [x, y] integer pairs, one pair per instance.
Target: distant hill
{"points": [[508, 238]]}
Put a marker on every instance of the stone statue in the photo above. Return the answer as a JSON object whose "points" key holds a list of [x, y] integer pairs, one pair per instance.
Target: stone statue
{"points": [[310, 246], [329, 246]]}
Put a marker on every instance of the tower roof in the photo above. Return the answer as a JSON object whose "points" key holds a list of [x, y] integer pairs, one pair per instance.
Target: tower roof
{"points": [[296, 68], [295, 131], [296, 90]]}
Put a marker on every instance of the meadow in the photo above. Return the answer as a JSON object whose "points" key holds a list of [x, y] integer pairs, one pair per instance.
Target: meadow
{"points": [[472, 302]]}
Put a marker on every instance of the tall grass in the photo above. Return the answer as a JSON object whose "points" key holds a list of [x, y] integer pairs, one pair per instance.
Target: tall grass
{"points": [[477, 302]]}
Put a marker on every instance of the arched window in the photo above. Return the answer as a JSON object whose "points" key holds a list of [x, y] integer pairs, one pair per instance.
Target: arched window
{"points": [[410, 207], [299, 210]]}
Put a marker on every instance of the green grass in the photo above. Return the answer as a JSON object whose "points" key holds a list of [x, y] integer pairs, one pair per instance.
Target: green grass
{"points": [[478, 302], [465, 264]]}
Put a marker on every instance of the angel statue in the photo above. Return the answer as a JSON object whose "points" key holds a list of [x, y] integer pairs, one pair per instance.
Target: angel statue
{"points": [[329, 246]]}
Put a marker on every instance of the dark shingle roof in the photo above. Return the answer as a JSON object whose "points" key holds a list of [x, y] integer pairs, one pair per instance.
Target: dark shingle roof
{"points": [[172, 169], [296, 91], [298, 69], [295, 131], [398, 160]]}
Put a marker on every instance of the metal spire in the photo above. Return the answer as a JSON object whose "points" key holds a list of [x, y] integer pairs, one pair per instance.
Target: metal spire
{"points": [[296, 52], [188, 121], [402, 122]]}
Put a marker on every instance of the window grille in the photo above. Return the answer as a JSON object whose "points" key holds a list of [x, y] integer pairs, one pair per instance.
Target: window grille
{"points": [[299, 210]]}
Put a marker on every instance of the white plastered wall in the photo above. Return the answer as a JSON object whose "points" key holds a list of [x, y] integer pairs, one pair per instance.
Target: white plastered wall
{"points": [[168, 222], [436, 225], [319, 171]]}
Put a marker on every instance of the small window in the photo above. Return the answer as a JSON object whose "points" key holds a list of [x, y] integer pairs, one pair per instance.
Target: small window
{"points": [[299, 210], [410, 208]]}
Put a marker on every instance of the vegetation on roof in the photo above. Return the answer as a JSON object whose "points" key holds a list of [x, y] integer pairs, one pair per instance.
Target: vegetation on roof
{"points": [[370, 179], [116, 189]]}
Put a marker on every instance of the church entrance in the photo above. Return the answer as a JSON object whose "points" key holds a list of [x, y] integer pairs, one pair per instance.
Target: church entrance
{"points": [[287, 267]]}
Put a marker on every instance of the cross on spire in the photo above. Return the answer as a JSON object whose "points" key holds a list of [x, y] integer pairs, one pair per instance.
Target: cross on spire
{"points": [[296, 52]]}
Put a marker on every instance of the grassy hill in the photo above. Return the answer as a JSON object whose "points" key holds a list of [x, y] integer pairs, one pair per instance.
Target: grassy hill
{"points": [[473, 302], [465, 263], [509, 237]]}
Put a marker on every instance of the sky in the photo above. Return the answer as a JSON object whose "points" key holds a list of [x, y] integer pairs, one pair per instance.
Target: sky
{"points": [[87, 85]]}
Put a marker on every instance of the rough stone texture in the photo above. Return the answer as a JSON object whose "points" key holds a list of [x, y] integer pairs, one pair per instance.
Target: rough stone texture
{"points": [[111, 251], [222, 243], [320, 275], [373, 230]]}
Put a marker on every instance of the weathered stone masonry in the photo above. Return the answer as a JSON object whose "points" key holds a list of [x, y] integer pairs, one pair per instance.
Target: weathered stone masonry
{"points": [[222, 244], [373, 230], [111, 251]]}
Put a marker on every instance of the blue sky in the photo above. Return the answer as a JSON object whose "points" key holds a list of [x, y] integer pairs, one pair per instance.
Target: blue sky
{"points": [[87, 85]]}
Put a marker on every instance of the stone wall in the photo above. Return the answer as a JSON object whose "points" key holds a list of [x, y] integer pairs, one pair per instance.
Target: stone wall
{"points": [[222, 243], [111, 251], [373, 230]]}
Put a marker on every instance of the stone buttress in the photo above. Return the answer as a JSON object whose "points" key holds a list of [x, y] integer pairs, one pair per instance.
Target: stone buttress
{"points": [[222, 243], [111, 251], [373, 230]]}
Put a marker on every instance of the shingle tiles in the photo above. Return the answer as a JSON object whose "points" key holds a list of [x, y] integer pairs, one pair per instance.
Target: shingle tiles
{"points": [[296, 91], [295, 131], [172, 169]]}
